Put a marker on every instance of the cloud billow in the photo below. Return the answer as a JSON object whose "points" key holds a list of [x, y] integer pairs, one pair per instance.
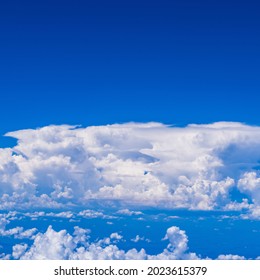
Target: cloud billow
{"points": [[61, 245], [137, 164]]}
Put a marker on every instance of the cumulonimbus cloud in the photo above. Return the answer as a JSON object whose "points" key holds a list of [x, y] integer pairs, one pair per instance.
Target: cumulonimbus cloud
{"points": [[151, 164]]}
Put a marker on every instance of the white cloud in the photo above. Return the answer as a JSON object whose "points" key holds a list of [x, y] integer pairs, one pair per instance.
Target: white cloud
{"points": [[178, 246], [116, 236], [250, 184], [92, 214], [62, 245], [139, 238], [5, 256], [237, 206], [29, 234], [18, 250], [51, 245], [66, 214], [194, 167], [230, 257], [16, 232], [127, 212], [253, 214]]}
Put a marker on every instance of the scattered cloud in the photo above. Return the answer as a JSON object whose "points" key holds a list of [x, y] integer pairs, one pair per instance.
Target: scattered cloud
{"points": [[62, 245], [230, 257], [92, 214], [66, 214], [116, 236], [16, 232], [127, 212], [138, 238]]}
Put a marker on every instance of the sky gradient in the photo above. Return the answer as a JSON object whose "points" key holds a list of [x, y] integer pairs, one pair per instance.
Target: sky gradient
{"points": [[131, 128], [177, 62]]}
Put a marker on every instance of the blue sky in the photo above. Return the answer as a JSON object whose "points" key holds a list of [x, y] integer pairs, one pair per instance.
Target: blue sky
{"points": [[137, 65], [91, 63]]}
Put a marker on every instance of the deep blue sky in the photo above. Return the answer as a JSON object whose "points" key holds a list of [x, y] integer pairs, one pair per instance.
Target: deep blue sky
{"points": [[97, 62]]}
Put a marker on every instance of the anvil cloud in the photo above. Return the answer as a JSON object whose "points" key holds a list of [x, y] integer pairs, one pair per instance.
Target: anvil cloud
{"points": [[137, 164]]}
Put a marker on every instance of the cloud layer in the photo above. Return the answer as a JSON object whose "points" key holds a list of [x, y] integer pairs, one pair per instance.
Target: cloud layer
{"points": [[150, 164], [78, 243]]}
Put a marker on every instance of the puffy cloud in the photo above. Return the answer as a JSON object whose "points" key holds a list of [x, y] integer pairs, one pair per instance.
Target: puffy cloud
{"points": [[252, 214], [51, 245], [250, 184], [237, 206], [16, 232], [62, 245], [29, 234], [19, 233], [116, 236], [5, 256], [178, 240], [177, 248], [76, 246], [18, 250], [151, 164]]}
